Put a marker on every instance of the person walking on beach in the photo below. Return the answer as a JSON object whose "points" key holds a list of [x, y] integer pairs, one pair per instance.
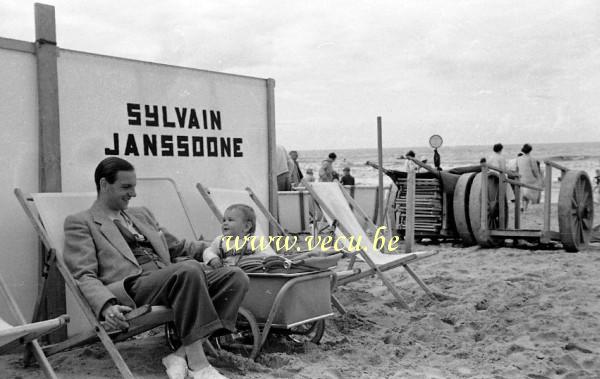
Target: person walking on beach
{"points": [[528, 168], [295, 174], [326, 172], [497, 159]]}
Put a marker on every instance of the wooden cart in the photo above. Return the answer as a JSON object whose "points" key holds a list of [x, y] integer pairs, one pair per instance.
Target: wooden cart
{"points": [[471, 205]]}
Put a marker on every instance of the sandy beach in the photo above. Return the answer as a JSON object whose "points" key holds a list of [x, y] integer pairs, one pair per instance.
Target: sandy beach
{"points": [[506, 313]]}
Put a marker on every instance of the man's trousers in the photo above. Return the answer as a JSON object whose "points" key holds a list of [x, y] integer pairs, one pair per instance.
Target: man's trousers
{"points": [[203, 300]]}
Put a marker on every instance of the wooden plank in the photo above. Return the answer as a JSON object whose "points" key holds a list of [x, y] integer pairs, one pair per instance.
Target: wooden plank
{"points": [[521, 184], [271, 146], [410, 212], [521, 233], [49, 144], [502, 199], [555, 165], [379, 221], [484, 201], [517, 191], [14, 44]]}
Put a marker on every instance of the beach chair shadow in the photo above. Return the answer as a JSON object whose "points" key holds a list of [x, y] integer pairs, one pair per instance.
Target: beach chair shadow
{"points": [[28, 333], [47, 212], [339, 209]]}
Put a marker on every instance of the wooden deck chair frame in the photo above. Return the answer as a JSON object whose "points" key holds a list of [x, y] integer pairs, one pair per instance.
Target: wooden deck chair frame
{"points": [[205, 193], [374, 269], [28, 333], [141, 319]]}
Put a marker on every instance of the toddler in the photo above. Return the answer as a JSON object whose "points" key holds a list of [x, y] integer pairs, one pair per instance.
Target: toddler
{"points": [[239, 220]]}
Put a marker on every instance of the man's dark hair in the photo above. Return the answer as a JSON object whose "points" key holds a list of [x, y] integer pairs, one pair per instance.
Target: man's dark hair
{"points": [[332, 156], [410, 153], [526, 149], [108, 169], [498, 148]]}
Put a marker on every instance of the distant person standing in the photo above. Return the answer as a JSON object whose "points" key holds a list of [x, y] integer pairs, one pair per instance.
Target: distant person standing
{"points": [[326, 172], [528, 168], [410, 165], [347, 179], [497, 159], [282, 169], [309, 177], [296, 174]]}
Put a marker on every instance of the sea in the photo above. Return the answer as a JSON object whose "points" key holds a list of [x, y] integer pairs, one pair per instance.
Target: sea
{"points": [[576, 156]]}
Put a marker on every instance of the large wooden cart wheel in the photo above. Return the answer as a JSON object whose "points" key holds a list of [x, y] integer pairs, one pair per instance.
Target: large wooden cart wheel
{"points": [[460, 208], [575, 210], [493, 203], [246, 340]]}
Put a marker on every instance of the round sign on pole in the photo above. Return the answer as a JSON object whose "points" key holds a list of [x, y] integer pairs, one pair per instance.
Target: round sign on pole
{"points": [[435, 141]]}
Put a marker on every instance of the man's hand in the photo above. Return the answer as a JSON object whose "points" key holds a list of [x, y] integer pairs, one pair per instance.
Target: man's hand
{"points": [[115, 317], [215, 263]]}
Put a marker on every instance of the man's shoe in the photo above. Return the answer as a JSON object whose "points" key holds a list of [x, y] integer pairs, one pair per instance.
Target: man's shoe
{"points": [[176, 366], [208, 372]]}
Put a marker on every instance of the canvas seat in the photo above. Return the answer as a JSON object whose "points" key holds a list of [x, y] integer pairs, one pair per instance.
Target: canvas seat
{"points": [[27, 333], [339, 209], [47, 212]]}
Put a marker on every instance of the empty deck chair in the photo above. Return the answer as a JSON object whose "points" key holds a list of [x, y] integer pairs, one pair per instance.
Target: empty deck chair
{"points": [[335, 203], [28, 333], [47, 212]]}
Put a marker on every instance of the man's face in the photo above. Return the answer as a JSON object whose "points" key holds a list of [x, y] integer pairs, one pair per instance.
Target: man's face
{"points": [[117, 195], [294, 155]]}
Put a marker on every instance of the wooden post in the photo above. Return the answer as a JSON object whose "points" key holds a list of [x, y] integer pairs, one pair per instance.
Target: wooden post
{"points": [[547, 201], [380, 172], [49, 142], [271, 142], [502, 200], [484, 201], [410, 210], [517, 191]]}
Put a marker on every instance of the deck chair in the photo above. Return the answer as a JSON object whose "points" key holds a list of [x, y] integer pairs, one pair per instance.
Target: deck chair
{"points": [[47, 212], [27, 333], [335, 203]]}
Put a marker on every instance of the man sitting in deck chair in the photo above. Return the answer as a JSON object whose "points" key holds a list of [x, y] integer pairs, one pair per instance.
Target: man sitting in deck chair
{"points": [[122, 258]]}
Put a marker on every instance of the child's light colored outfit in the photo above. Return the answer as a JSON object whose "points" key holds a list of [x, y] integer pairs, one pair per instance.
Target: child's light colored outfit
{"points": [[218, 249]]}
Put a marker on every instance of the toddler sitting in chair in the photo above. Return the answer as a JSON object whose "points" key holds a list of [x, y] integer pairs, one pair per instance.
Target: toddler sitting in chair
{"points": [[239, 220]]}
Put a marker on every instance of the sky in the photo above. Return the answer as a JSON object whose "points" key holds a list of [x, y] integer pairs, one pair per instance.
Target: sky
{"points": [[474, 72]]}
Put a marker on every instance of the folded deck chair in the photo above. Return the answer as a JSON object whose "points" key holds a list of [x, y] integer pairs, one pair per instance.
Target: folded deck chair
{"points": [[47, 212], [28, 333], [335, 203]]}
